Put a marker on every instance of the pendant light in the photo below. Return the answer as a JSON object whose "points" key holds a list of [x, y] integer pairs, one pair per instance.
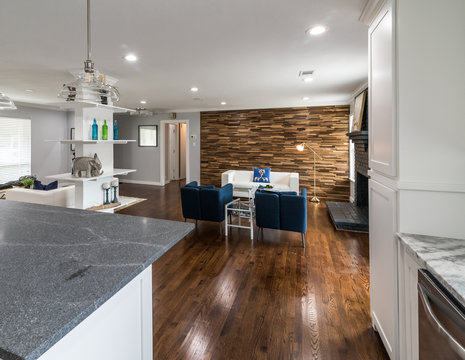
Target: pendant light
{"points": [[6, 103], [89, 85]]}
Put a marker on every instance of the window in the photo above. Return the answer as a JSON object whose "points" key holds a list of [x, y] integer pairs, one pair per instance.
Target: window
{"points": [[148, 135], [15, 148]]}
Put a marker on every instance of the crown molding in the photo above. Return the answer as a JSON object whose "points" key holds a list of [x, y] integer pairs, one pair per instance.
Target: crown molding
{"points": [[370, 10]]}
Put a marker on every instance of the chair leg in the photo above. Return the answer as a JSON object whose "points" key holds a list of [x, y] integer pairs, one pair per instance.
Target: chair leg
{"points": [[196, 223], [303, 240], [219, 224], [185, 219]]}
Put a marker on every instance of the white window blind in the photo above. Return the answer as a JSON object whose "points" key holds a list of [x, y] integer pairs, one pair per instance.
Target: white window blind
{"points": [[15, 148]]}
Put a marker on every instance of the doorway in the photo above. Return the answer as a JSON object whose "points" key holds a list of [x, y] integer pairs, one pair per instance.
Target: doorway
{"points": [[174, 146]]}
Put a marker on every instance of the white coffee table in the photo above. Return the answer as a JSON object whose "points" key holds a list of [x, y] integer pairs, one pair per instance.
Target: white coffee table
{"points": [[243, 210]]}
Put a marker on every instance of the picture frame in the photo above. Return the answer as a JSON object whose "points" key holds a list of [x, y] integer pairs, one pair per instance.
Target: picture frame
{"points": [[72, 136], [359, 106], [148, 136]]}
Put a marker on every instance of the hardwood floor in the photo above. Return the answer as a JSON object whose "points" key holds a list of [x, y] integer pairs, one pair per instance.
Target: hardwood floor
{"points": [[230, 298]]}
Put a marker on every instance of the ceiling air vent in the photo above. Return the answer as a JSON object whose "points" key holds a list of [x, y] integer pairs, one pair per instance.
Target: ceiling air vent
{"points": [[306, 73]]}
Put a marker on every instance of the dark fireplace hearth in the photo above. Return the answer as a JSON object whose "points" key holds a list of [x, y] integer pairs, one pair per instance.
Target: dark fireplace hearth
{"points": [[361, 191], [354, 215]]}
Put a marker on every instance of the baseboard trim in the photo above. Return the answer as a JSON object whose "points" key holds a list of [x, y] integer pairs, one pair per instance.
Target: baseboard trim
{"points": [[141, 182], [382, 334]]}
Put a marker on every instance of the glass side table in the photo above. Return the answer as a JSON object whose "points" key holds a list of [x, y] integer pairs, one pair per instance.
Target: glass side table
{"points": [[243, 210]]}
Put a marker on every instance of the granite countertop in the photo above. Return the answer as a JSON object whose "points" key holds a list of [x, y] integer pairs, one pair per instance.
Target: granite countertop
{"points": [[442, 257], [58, 265]]}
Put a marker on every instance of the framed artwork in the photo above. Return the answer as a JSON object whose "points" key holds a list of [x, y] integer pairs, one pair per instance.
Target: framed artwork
{"points": [[72, 147], [358, 110], [148, 135]]}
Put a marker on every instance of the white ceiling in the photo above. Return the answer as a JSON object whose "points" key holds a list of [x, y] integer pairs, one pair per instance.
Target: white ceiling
{"points": [[245, 52]]}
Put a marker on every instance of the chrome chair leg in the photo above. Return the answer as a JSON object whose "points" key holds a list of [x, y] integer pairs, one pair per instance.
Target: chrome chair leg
{"points": [[303, 240]]}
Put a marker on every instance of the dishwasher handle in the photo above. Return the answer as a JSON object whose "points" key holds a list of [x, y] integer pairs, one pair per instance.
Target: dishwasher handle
{"points": [[459, 349]]}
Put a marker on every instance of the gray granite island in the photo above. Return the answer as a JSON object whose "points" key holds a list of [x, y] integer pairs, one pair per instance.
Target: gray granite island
{"points": [[442, 257], [68, 276]]}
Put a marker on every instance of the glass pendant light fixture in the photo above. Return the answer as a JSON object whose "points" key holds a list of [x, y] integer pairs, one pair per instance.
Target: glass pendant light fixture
{"points": [[89, 85], [6, 103]]}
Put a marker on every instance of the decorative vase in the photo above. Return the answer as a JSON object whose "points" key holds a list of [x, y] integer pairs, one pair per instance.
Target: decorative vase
{"points": [[95, 130], [104, 130], [115, 131]]}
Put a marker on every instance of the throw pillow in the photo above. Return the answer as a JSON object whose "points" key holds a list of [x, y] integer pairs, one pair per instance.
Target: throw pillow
{"points": [[52, 186], [39, 186], [261, 175]]}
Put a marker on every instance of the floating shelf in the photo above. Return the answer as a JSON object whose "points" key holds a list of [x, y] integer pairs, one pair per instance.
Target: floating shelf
{"points": [[106, 174], [116, 142], [73, 105]]}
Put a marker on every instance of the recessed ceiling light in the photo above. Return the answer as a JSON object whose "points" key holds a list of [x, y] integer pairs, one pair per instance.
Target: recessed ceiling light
{"points": [[316, 30], [223, 103], [29, 91], [305, 98], [307, 79], [130, 57], [194, 89], [143, 102]]}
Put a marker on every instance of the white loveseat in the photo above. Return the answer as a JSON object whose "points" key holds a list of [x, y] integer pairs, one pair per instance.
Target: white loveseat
{"points": [[242, 181], [63, 196]]}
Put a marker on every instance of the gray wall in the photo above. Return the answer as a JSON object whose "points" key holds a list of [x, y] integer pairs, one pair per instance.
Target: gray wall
{"points": [[146, 160], [47, 158]]}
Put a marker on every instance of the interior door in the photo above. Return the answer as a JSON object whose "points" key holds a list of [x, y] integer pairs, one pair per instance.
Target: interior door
{"points": [[173, 152], [182, 150]]}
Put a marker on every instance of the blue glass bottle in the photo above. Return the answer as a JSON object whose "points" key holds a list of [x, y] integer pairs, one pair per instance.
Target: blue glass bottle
{"points": [[94, 130], [115, 131]]}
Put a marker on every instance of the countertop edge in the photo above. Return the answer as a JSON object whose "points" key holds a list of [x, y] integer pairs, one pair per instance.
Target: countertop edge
{"points": [[39, 351], [423, 263]]}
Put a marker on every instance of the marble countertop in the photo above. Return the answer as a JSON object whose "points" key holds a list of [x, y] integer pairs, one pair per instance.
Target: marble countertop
{"points": [[442, 257], [58, 265]]}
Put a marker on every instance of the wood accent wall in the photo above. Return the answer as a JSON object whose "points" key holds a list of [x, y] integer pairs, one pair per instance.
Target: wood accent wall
{"points": [[243, 139]]}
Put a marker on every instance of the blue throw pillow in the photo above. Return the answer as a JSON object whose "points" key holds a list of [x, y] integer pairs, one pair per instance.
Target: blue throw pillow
{"points": [[261, 175], [52, 186], [39, 186]]}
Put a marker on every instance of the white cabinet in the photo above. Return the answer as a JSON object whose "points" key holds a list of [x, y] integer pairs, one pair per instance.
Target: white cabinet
{"points": [[382, 118], [120, 329], [383, 264], [408, 305]]}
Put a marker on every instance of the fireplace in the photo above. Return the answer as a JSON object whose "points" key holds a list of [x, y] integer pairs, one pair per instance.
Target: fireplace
{"points": [[361, 190], [354, 215]]}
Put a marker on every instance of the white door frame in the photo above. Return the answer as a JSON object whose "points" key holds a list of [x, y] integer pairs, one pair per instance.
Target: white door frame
{"points": [[162, 149]]}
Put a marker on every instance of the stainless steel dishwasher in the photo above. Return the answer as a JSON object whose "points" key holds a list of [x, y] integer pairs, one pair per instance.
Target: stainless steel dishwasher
{"points": [[441, 321]]}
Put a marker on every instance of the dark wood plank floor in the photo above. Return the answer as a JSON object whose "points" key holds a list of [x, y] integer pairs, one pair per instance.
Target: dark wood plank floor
{"points": [[230, 298]]}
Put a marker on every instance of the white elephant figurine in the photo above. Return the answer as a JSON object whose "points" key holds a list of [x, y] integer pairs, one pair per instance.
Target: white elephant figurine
{"points": [[91, 165]]}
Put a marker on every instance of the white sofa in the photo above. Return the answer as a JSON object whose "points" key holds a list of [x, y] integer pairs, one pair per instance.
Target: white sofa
{"points": [[63, 196], [242, 181]]}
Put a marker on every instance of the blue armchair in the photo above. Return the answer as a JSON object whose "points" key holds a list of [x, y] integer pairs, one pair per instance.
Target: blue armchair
{"points": [[282, 211], [205, 202]]}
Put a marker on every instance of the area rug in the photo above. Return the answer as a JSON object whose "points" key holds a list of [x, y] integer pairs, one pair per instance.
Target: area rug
{"points": [[128, 201]]}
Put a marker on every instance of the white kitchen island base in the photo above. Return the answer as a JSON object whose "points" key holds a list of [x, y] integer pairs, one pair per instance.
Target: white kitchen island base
{"points": [[120, 329]]}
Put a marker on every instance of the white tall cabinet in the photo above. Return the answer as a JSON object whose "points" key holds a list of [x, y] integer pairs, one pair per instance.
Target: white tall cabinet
{"points": [[383, 175], [416, 148]]}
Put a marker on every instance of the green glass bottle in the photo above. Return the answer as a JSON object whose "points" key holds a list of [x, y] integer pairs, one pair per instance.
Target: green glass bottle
{"points": [[104, 130]]}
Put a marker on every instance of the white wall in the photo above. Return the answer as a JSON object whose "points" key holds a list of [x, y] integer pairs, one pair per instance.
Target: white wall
{"points": [[147, 160], [47, 158]]}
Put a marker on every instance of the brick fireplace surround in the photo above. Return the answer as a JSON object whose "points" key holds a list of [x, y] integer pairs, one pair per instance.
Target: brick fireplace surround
{"points": [[354, 216]]}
